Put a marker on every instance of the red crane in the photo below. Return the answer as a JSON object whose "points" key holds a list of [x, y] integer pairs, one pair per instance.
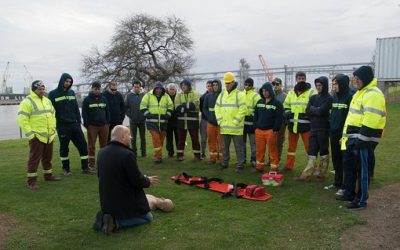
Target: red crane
{"points": [[265, 67]]}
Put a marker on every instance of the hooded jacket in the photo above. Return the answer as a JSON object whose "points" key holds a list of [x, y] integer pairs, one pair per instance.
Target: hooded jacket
{"points": [[95, 110], [156, 109], [116, 105], [319, 106], [187, 107], [268, 115], [65, 104], [367, 113], [209, 105], [202, 98], [340, 104]]}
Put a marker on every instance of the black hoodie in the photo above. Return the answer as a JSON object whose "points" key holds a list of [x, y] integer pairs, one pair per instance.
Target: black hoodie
{"points": [[319, 106], [268, 115], [209, 104], [65, 104], [340, 104]]}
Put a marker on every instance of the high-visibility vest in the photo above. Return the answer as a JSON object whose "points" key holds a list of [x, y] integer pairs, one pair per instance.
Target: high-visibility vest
{"points": [[36, 117], [190, 118], [367, 116], [156, 112], [230, 110], [298, 120], [252, 97]]}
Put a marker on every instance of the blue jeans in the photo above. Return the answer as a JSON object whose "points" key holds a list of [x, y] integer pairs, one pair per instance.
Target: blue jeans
{"points": [[135, 221]]}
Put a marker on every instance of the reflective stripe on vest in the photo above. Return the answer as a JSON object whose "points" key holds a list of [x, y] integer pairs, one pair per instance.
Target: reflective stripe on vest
{"points": [[62, 98]]}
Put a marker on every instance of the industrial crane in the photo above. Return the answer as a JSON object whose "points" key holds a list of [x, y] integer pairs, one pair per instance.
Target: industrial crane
{"points": [[266, 69], [4, 89]]}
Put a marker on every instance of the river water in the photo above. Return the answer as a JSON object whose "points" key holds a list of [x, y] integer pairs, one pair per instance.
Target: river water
{"points": [[9, 128]]}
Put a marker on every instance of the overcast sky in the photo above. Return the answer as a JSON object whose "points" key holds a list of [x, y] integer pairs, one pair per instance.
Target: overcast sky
{"points": [[50, 37]]}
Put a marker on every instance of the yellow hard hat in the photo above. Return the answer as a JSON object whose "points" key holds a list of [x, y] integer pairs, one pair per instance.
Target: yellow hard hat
{"points": [[229, 77]]}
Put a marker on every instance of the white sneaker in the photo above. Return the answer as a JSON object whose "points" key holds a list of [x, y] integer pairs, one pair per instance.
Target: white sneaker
{"points": [[340, 192], [330, 187]]}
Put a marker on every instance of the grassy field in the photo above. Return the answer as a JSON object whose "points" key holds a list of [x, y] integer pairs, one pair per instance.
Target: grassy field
{"points": [[300, 215]]}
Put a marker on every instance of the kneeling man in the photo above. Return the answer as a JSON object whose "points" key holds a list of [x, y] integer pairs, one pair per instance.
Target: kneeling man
{"points": [[122, 198]]}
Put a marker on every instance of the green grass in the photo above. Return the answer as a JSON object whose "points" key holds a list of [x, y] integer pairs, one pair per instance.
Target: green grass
{"points": [[299, 216]]}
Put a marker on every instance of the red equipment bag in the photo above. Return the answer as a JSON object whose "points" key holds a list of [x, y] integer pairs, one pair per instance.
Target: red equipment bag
{"points": [[255, 191], [239, 190], [272, 179]]}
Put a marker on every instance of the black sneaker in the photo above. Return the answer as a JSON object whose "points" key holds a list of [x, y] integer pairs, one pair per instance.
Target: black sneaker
{"points": [[108, 224], [344, 198], [355, 206]]}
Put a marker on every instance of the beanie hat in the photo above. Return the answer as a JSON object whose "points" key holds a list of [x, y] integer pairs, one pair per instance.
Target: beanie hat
{"points": [[365, 73], [187, 83], [249, 82], [277, 81], [36, 84]]}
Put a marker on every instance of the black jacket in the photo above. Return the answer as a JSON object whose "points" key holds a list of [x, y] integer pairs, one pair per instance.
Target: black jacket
{"points": [[65, 104], [268, 115], [95, 110], [116, 106], [340, 104], [173, 120], [202, 98], [319, 106], [121, 183]]}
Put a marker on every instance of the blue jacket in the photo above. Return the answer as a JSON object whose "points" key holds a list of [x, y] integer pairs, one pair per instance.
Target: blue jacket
{"points": [[268, 115], [209, 105]]}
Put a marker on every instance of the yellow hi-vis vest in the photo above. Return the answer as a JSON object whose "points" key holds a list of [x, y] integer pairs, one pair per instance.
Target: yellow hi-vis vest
{"points": [[230, 110], [189, 119], [367, 116], [298, 121], [252, 97], [36, 117], [156, 113]]}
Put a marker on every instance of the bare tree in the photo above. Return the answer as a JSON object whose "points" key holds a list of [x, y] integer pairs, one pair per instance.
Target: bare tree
{"points": [[145, 48], [243, 71]]}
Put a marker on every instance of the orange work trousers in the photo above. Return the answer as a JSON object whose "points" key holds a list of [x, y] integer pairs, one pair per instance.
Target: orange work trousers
{"points": [[291, 154], [214, 142], [158, 141], [266, 138]]}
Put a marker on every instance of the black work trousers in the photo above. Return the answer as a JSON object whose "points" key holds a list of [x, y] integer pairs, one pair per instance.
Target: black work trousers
{"points": [[72, 132], [319, 142], [142, 133], [337, 158], [172, 132]]}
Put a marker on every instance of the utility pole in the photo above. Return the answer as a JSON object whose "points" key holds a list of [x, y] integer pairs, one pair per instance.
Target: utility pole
{"points": [[4, 89]]}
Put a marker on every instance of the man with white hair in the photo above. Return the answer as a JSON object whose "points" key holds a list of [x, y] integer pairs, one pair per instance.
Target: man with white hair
{"points": [[172, 129], [122, 198]]}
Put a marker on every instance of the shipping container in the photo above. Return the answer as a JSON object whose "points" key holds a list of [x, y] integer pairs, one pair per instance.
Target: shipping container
{"points": [[387, 59]]}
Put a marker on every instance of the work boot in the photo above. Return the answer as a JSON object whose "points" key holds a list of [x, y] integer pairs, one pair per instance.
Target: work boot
{"points": [[98, 223], [32, 186], [256, 170], [223, 166], [108, 224], [67, 172], [239, 169], [51, 178], [158, 160], [284, 170], [309, 169], [323, 167]]}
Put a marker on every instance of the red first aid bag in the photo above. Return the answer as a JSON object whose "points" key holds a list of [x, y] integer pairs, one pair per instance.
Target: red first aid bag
{"points": [[272, 179], [255, 191]]}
